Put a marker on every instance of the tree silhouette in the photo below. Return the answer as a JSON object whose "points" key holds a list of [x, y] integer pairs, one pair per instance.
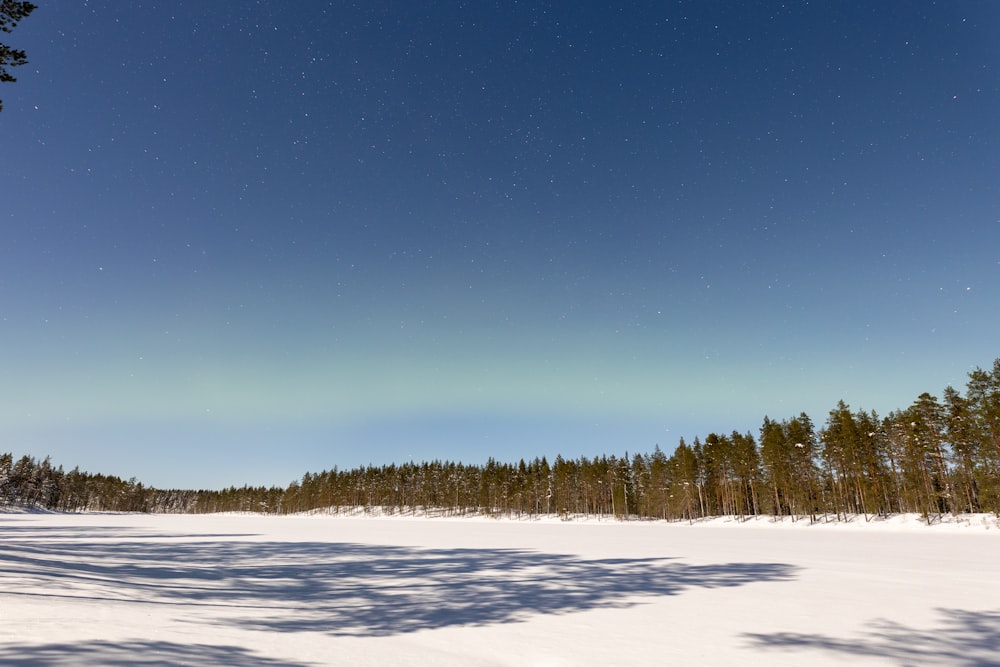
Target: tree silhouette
{"points": [[11, 11]]}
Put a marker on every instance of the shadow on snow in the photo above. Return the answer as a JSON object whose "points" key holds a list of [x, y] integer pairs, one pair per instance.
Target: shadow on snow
{"points": [[341, 588], [961, 639], [135, 654]]}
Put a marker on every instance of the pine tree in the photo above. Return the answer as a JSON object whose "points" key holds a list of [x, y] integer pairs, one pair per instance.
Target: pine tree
{"points": [[961, 432], [6, 485], [924, 457], [11, 12], [983, 395]]}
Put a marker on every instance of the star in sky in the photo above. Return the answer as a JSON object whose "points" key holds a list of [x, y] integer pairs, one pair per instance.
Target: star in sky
{"points": [[277, 238]]}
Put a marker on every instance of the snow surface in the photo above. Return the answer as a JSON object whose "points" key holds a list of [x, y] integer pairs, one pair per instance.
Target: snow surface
{"points": [[107, 589]]}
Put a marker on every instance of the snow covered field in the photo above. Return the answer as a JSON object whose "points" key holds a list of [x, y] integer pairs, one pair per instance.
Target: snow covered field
{"points": [[248, 590]]}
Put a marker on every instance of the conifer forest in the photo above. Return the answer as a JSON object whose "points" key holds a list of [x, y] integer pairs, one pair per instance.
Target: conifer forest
{"points": [[938, 456]]}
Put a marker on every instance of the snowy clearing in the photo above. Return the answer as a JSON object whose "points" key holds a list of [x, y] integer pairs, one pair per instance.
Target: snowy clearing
{"points": [[106, 589]]}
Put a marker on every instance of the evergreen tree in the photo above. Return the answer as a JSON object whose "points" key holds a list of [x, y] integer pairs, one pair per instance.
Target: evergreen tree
{"points": [[983, 395], [6, 485], [11, 12], [962, 434], [924, 462]]}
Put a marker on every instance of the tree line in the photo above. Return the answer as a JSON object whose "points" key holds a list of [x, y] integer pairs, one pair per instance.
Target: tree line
{"points": [[937, 456]]}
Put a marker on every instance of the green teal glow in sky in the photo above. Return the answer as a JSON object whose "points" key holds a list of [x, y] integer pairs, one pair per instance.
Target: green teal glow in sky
{"points": [[242, 241]]}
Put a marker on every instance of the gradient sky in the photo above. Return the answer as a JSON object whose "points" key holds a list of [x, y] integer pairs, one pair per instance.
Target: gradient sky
{"points": [[246, 240]]}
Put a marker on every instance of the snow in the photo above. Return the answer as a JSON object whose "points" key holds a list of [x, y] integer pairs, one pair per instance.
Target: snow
{"points": [[108, 589]]}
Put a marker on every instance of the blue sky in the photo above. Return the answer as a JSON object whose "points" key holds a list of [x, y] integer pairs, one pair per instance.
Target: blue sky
{"points": [[246, 240]]}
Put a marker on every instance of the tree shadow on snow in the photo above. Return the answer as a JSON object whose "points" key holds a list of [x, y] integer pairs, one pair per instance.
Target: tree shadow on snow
{"points": [[962, 639], [350, 589], [135, 654]]}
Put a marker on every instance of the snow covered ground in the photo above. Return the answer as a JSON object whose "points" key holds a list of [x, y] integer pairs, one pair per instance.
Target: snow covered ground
{"points": [[249, 590]]}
